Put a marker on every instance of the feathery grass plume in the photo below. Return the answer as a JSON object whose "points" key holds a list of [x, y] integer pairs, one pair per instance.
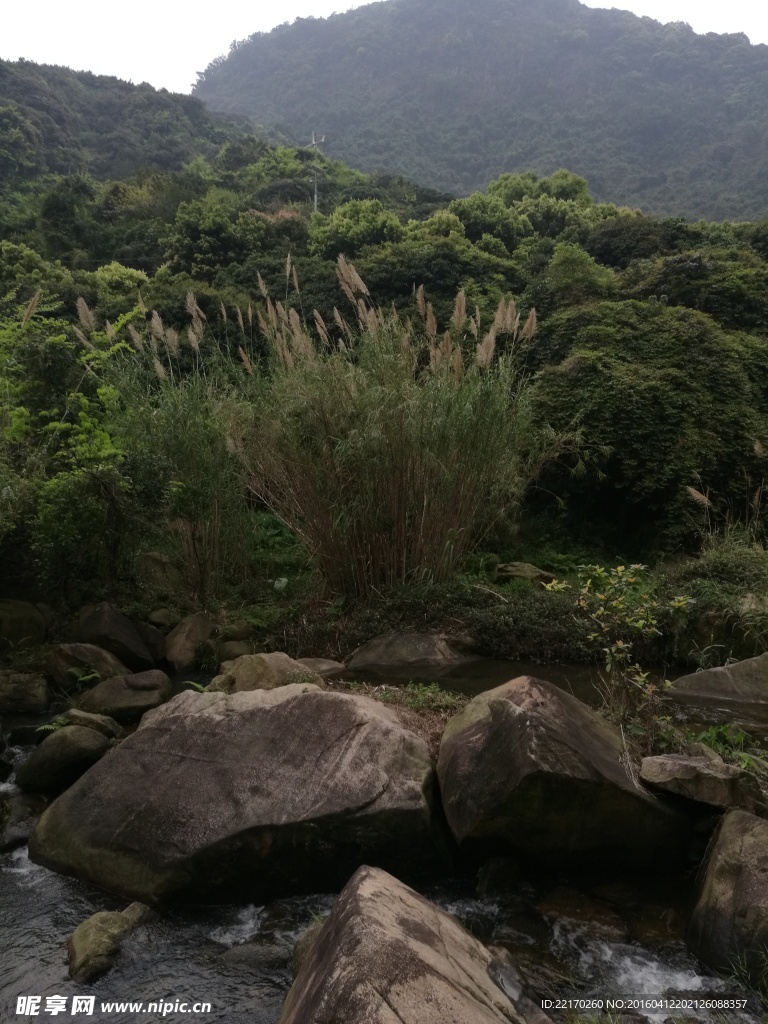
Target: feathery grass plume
{"points": [[223, 311], [529, 328], [474, 323], [29, 312], [84, 315], [262, 286], [191, 304], [250, 315], [295, 281], [136, 339], [288, 268], [698, 497], [322, 330], [109, 330], [140, 303], [484, 350], [171, 340], [193, 339], [421, 303], [245, 361], [83, 340], [156, 325], [431, 324], [159, 369], [459, 310], [240, 323]]}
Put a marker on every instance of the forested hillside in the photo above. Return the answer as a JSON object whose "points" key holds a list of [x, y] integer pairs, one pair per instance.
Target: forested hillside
{"points": [[453, 94]]}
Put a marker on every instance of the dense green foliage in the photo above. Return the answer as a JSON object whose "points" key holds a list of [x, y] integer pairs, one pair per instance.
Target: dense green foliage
{"points": [[452, 94]]}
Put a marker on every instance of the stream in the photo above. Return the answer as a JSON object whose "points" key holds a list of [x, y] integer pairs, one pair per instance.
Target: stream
{"points": [[580, 937]]}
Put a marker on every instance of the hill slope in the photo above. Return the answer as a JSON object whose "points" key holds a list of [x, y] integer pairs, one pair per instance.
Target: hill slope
{"points": [[452, 94]]}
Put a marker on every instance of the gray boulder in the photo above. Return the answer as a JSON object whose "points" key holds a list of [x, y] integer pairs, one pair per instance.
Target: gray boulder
{"points": [[263, 672], [23, 692], [521, 571], [527, 768], [730, 921], [230, 650], [22, 625], [61, 759], [182, 642], [702, 779], [398, 652], [105, 626], [68, 662], [386, 955], [101, 723], [740, 689], [19, 814], [94, 945], [324, 667], [126, 698], [258, 794]]}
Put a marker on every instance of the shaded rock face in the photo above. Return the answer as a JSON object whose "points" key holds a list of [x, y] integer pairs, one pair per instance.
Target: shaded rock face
{"points": [[22, 625], [702, 779], [23, 692], [263, 672], [101, 723], [730, 921], [94, 945], [105, 626], [67, 661], [61, 759], [182, 642], [397, 651], [385, 955], [254, 795], [741, 689], [126, 698], [18, 816], [324, 667], [528, 768]]}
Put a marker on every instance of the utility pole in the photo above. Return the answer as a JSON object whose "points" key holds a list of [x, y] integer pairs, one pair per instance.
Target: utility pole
{"points": [[315, 144]]}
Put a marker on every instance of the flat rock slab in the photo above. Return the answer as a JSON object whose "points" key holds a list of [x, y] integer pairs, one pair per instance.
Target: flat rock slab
{"points": [[67, 662], [94, 945], [527, 768], [398, 652], [730, 921], [740, 689], [386, 955], [254, 795], [702, 779], [22, 693], [126, 698]]}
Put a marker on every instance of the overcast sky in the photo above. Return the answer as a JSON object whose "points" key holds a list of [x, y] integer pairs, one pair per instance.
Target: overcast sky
{"points": [[166, 43]]}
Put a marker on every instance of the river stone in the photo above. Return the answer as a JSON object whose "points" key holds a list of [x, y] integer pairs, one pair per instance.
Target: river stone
{"points": [[703, 780], [94, 945], [231, 650], [19, 813], [386, 955], [521, 571], [61, 759], [105, 626], [101, 723], [527, 768], [23, 693], [22, 625], [324, 667], [740, 689], [263, 672], [253, 795], [68, 661], [163, 618], [126, 698], [154, 640], [182, 642], [730, 921], [401, 651]]}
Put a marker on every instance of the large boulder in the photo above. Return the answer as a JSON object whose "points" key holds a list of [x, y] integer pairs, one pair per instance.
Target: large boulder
{"points": [[740, 689], [61, 759], [252, 795], [386, 955], [67, 663], [729, 924], [527, 768], [401, 652], [126, 698], [105, 626], [101, 723], [94, 945], [702, 779], [22, 625], [23, 692], [263, 672], [182, 642]]}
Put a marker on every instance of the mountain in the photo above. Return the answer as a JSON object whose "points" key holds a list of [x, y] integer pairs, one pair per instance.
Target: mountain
{"points": [[452, 93], [53, 120]]}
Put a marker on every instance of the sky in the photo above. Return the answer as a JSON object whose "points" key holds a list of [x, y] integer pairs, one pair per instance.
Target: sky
{"points": [[165, 44]]}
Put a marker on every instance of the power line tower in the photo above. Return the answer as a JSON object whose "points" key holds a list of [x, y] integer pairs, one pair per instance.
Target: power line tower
{"points": [[315, 144]]}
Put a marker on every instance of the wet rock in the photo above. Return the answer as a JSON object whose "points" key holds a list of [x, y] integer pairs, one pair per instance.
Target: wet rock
{"points": [[702, 779], [521, 571], [23, 693], [263, 672], [654, 924], [101, 723], [386, 954], [163, 618], [230, 650], [182, 642], [62, 757], [740, 689], [126, 698], [67, 663], [401, 651], [105, 626], [18, 816], [22, 625], [730, 921], [94, 945], [324, 667], [598, 919], [154, 640], [303, 945], [498, 875], [264, 794], [259, 956], [526, 768]]}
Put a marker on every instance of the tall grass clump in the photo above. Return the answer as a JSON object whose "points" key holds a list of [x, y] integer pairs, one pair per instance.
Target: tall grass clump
{"points": [[389, 450]]}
